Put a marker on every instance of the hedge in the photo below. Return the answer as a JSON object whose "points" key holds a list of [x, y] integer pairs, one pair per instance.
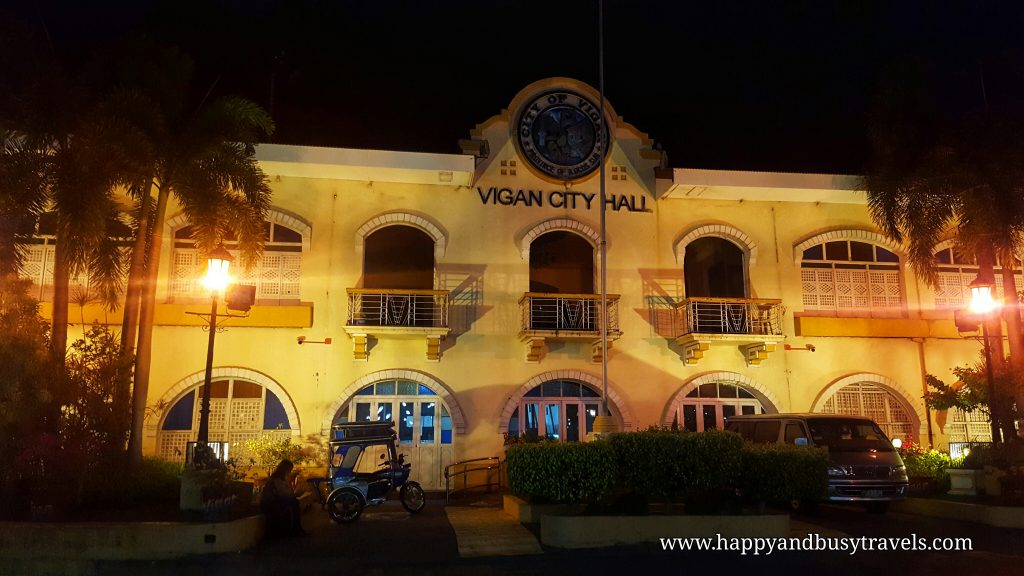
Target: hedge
{"points": [[555, 472], [666, 465]]}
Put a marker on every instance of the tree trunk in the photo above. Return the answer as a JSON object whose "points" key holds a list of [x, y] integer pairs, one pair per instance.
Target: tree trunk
{"points": [[136, 272], [61, 279], [1015, 333], [1011, 314], [144, 350]]}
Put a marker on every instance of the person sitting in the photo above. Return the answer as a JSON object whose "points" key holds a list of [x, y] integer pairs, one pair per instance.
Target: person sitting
{"points": [[279, 503]]}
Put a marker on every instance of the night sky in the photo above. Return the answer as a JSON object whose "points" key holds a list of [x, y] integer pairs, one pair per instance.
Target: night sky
{"points": [[765, 85]]}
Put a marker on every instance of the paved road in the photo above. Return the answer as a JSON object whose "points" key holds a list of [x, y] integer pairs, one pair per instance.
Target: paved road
{"points": [[387, 541]]}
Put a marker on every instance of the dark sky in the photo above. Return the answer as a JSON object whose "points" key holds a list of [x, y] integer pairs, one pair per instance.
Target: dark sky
{"points": [[760, 85]]}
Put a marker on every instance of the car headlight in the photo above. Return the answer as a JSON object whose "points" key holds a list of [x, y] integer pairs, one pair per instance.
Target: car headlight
{"points": [[899, 471], [838, 471]]}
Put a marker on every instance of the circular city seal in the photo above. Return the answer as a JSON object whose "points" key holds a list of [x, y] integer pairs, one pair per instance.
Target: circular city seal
{"points": [[562, 135]]}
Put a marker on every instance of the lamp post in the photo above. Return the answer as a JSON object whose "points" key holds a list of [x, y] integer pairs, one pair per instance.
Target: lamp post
{"points": [[216, 280], [983, 304]]}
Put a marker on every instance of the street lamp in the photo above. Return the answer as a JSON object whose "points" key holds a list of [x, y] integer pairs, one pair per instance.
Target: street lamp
{"points": [[983, 304], [217, 281]]}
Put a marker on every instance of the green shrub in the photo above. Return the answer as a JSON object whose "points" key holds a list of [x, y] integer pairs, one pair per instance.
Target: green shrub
{"points": [[553, 472], [649, 463], [154, 480], [709, 461], [782, 473]]}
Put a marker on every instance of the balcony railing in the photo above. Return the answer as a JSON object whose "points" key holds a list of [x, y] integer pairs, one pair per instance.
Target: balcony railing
{"points": [[385, 307], [729, 316], [568, 313]]}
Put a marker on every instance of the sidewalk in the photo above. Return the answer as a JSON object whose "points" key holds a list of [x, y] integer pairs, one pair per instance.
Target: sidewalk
{"points": [[482, 528]]}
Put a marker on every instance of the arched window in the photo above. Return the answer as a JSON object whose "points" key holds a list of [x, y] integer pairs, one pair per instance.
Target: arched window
{"points": [[708, 405], [239, 409], [874, 402], [852, 278], [275, 275], [557, 410], [713, 267], [956, 271]]}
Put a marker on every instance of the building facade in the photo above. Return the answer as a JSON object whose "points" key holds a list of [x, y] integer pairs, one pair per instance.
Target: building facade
{"points": [[460, 296]]}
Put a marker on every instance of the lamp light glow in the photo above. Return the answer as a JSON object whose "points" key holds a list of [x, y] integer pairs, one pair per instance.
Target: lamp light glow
{"points": [[982, 301], [218, 263], [897, 443]]}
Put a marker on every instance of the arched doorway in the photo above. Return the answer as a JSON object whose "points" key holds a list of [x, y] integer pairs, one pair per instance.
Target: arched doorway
{"points": [[713, 268], [707, 405], [398, 257], [558, 410], [561, 263], [422, 420]]}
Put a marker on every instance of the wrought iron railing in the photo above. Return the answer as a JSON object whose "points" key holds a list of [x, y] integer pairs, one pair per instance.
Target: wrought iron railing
{"points": [[568, 312], [729, 316], [384, 307]]}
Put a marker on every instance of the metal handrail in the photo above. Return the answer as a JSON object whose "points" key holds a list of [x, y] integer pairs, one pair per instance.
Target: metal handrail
{"points": [[756, 316], [493, 463], [390, 307], [568, 312]]}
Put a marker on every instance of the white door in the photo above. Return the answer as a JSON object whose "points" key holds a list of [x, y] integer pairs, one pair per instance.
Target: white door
{"points": [[422, 422]]}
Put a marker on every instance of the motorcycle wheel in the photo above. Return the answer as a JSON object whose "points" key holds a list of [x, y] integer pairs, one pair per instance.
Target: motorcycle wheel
{"points": [[412, 497], [344, 506]]}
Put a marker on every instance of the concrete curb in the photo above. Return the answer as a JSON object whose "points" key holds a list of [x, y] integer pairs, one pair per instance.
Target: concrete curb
{"points": [[36, 541], [998, 516]]}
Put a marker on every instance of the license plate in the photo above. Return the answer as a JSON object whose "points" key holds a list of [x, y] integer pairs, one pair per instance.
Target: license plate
{"points": [[872, 493]]}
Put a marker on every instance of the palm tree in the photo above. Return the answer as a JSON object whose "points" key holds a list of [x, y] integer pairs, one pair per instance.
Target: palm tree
{"points": [[202, 155], [929, 179], [63, 153]]}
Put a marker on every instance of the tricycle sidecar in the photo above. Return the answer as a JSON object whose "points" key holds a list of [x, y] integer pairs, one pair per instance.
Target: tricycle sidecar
{"points": [[365, 467]]}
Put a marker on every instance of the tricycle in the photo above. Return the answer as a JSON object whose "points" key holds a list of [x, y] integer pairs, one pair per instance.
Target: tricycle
{"points": [[355, 477]]}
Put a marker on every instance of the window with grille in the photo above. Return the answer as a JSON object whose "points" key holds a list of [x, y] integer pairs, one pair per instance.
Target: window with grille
{"points": [[39, 251], [853, 278], [239, 410], [955, 273], [871, 401], [968, 426], [275, 275]]}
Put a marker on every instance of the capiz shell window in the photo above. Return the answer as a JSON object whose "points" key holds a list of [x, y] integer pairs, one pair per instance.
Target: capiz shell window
{"points": [[275, 275], [851, 278]]}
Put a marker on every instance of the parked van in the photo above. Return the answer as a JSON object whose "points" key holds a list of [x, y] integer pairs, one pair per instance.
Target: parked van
{"points": [[863, 465]]}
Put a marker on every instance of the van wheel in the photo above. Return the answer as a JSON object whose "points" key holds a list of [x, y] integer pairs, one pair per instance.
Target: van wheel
{"points": [[876, 507]]}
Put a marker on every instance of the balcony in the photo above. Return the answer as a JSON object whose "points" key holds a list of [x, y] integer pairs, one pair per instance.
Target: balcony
{"points": [[753, 324], [377, 312], [566, 317]]}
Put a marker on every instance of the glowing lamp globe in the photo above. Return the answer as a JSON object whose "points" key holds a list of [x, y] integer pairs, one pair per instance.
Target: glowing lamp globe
{"points": [[982, 301], [218, 263]]}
